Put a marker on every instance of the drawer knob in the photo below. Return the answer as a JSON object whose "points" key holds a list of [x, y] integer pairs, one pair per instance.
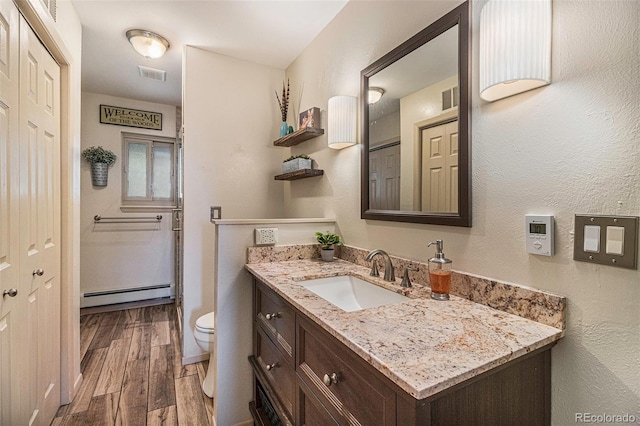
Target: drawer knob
{"points": [[330, 379], [270, 367], [38, 272], [12, 292], [270, 316]]}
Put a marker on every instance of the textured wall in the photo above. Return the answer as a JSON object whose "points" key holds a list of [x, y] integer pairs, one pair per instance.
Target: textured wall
{"points": [[571, 147], [230, 122]]}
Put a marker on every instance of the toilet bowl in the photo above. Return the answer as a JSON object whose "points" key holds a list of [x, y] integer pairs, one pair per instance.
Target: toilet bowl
{"points": [[204, 333]]}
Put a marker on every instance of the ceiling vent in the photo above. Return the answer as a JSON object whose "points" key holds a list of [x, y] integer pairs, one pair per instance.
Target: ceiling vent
{"points": [[152, 73]]}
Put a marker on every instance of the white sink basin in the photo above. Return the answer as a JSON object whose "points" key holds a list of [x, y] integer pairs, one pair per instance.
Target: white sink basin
{"points": [[351, 293]]}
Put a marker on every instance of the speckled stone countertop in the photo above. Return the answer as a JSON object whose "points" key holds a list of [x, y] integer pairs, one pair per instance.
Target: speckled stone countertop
{"points": [[422, 345]]}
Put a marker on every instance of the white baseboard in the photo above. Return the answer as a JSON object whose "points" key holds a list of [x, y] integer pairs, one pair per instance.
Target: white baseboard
{"points": [[134, 294], [195, 358]]}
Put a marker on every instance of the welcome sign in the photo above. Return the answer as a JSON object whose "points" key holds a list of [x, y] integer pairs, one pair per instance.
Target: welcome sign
{"points": [[130, 117]]}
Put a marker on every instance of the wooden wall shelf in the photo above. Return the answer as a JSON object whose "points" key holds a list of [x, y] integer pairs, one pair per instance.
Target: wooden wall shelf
{"points": [[300, 174], [298, 136]]}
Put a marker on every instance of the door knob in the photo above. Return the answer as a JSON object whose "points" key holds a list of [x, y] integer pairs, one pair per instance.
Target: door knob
{"points": [[12, 292], [270, 316], [38, 272]]}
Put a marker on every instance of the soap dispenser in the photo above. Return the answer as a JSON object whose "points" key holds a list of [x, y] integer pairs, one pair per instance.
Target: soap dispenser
{"points": [[439, 273]]}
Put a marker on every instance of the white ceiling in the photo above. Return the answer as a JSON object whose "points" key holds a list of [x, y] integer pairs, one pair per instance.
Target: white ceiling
{"points": [[272, 33]]}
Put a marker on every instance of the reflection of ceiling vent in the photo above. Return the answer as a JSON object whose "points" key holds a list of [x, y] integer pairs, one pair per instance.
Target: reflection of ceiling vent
{"points": [[450, 98], [152, 73]]}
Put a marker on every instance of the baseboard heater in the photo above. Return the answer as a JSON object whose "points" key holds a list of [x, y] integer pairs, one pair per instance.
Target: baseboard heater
{"points": [[123, 295]]}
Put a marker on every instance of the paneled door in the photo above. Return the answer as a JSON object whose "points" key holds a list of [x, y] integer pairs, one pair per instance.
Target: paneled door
{"points": [[384, 172], [439, 185], [39, 238], [10, 351]]}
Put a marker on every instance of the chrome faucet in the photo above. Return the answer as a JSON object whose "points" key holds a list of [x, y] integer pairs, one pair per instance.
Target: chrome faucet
{"points": [[388, 267]]}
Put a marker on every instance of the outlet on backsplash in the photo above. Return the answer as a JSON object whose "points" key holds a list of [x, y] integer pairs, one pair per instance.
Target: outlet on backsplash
{"points": [[266, 236]]}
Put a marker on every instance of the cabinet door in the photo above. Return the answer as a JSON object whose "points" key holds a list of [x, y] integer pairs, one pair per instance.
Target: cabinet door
{"points": [[350, 389], [310, 410]]}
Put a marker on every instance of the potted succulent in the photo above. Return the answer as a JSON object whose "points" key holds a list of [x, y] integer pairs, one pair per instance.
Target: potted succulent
{"points": [[327, 241], [297, 162], [100, 160]]}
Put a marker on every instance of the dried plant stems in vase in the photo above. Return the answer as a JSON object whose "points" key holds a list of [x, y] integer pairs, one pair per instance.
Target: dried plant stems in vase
{"points": [[284, 108]]}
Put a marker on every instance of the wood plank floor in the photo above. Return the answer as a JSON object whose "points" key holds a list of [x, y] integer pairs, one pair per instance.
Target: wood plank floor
{"points": [[133, 375]]}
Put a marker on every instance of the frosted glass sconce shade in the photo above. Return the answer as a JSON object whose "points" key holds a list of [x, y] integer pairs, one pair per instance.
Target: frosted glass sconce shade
{"points": [[515, 47], [342, 112], [148, 44]]}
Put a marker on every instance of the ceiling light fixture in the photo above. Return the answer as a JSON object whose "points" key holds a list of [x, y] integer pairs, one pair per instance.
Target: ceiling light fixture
{"points": [[148, 44], [375, 94]]}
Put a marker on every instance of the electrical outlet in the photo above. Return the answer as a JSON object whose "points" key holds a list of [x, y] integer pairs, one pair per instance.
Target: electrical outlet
{"points": [[266, 236]]}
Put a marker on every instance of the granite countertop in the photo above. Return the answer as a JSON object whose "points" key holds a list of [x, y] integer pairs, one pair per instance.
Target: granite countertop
{"points": [[422, 345]]}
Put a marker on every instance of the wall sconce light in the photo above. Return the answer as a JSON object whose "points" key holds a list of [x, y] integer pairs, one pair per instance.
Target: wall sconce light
{"points": [[375, 94], [342, 114], [515, 47], [148, 44]]}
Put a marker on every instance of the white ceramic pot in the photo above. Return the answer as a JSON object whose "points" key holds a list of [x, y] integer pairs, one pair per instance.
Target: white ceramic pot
{"points": [[327, 254]]}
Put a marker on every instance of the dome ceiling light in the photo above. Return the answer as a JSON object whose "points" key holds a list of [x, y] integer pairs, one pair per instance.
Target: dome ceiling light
{"points": [[148, 44]]}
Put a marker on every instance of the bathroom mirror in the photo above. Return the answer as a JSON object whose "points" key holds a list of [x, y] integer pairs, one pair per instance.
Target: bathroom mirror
{"points": [[416, 161]]}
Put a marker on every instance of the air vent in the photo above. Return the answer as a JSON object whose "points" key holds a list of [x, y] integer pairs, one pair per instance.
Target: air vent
{"points": [[450, 98], [152, 73]]}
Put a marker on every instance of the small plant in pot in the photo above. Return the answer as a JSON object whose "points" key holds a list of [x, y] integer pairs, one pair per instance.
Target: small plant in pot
{"points": [[327, 242], [100, 160]]}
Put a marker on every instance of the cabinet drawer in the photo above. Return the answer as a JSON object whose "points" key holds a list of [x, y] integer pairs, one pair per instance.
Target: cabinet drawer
{"points": [[277, 371], [349, 388], [276, 318]]}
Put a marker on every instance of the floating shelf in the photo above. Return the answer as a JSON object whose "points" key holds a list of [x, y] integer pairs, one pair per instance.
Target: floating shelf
{"points": [[300, 174], [299, 136]]}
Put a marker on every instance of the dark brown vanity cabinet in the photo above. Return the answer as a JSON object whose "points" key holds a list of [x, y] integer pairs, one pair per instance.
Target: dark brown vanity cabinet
{"points": [[305, 376]]}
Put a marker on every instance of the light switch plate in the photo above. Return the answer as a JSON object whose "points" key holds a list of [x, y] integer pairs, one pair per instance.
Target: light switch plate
{"points": [[611, 239]]}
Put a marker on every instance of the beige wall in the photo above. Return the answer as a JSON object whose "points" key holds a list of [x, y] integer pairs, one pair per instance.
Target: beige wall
{"points": [[230, 122], [120, 256], [571, 147]]}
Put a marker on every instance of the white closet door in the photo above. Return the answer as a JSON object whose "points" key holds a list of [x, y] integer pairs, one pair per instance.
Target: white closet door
{"points": [[10, 350], [40, 223]]}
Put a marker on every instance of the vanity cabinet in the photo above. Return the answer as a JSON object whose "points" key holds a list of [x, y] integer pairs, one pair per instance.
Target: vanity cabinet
{"points": [[310, 378], [351, 390]]}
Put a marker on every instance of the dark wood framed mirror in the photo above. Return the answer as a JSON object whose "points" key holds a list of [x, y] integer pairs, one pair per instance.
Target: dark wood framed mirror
{"points": [[416, 160]]}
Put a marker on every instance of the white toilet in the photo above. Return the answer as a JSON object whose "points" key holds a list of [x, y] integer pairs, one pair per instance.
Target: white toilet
{"points": [[204, 333]]}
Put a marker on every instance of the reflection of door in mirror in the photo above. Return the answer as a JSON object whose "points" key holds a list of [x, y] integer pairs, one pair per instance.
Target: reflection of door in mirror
{"points": [[439, 183], [384, 175]]}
